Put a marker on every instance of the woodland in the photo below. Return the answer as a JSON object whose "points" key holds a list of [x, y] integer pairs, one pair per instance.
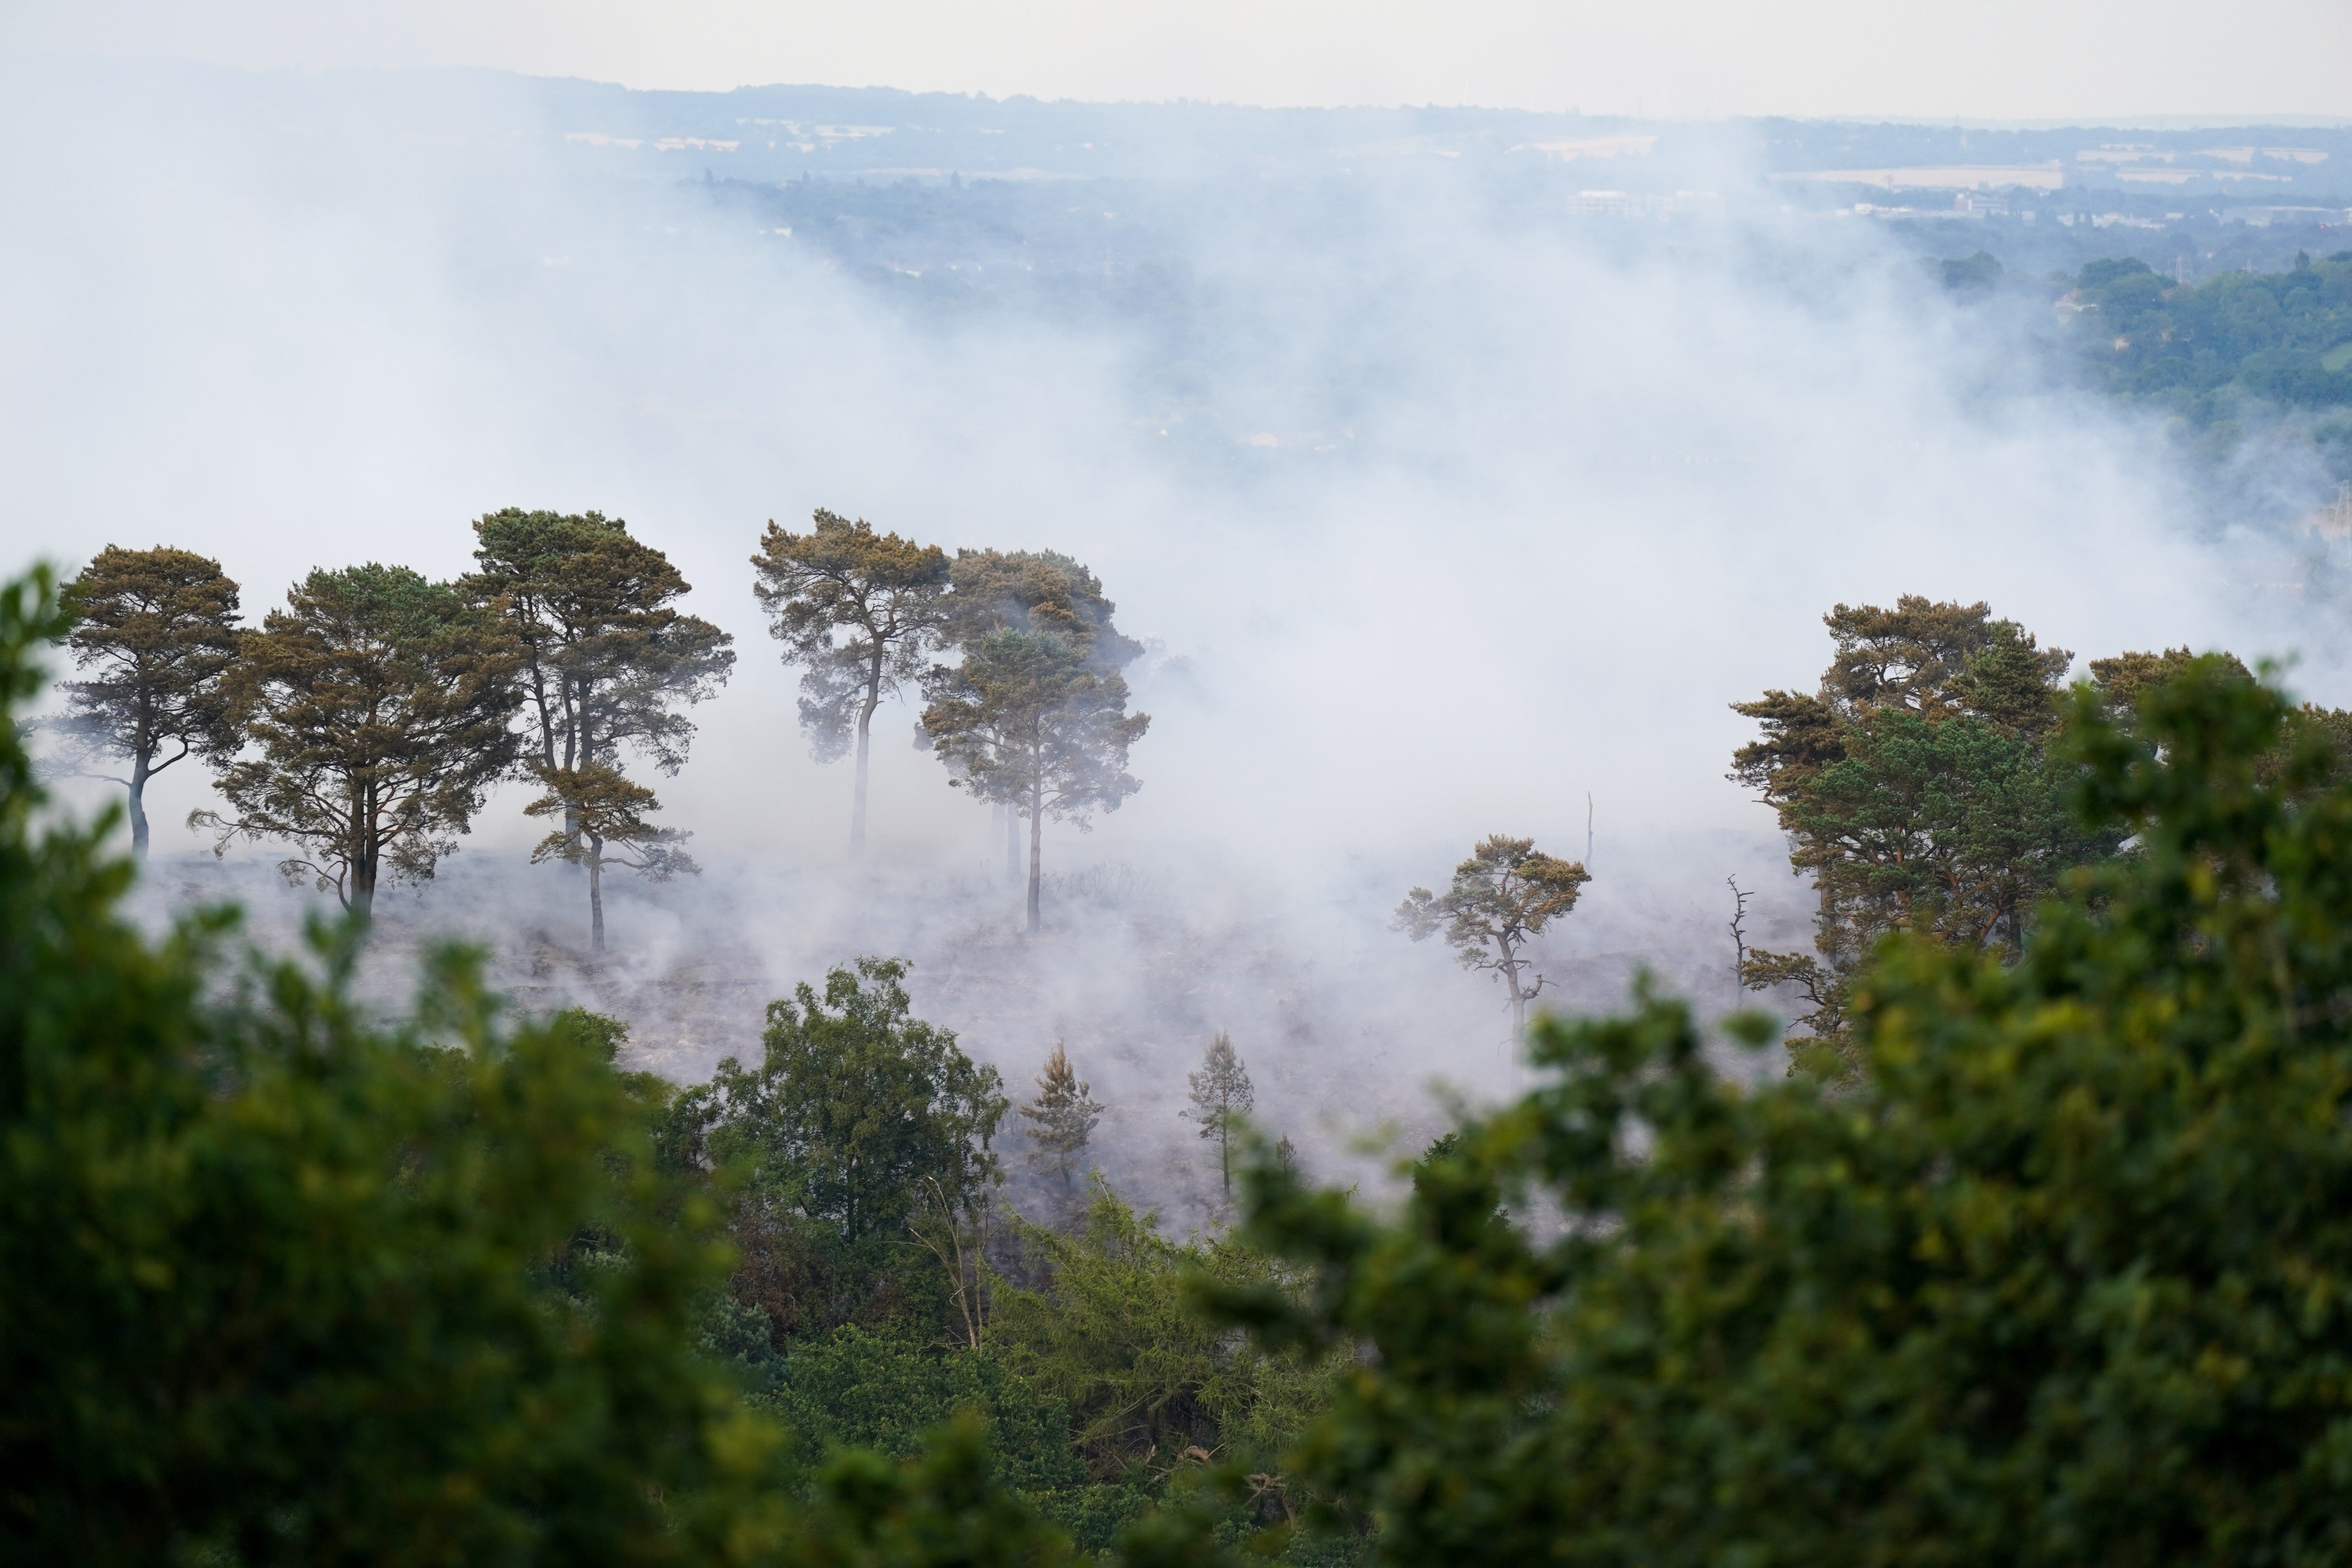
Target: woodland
{"points": [[2025, 1242]]}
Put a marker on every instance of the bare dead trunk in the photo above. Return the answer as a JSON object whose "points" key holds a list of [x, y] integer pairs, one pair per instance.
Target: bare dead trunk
{"points": [[1036, 838]]}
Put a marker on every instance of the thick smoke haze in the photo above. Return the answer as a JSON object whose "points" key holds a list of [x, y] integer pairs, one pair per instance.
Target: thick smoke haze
{"points": [[1443, 524]]}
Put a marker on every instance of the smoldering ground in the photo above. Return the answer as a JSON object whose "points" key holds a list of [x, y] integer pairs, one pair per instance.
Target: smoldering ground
{"points": [[1464, 511]]}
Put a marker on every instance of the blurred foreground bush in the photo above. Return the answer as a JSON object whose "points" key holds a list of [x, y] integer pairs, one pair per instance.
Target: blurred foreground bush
{"points": [[279, 1284], [2065, 1276]]}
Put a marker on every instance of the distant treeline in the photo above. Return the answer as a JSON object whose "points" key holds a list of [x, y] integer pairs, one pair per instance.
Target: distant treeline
{"points": [[2283, 336], [365, 722]]}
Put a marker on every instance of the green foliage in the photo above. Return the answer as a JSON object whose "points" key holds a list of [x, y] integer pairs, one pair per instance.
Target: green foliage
{"points": [[2063, 1276], [943, 1510], [1110, 1330], [860, 1123], [2190, 349], [1061, 1120], [1034, 591], [605, 815], [1973, 276], [855, 1389], [377, 706], [154, 632], [1221, 1094], [272, 1279], [609, 666], [1918, 793]]}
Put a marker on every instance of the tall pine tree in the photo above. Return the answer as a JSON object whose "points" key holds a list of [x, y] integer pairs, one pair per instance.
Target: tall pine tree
{"points": [[610, 667], [154, 632], [376, 706]]}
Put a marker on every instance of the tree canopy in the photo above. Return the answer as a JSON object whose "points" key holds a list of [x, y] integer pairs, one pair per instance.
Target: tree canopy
{"points": [[376, 707], [1034, 591], [1061, 1119], [273, 1279], [2192, 348], [153, 633], [854, 1102], [1916, 791]]}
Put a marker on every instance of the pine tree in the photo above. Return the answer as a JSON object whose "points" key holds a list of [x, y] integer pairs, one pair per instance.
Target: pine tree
{"points": [[1505, 893], [155, 631], [995, 591], [1061, 1120], [1916, 790], [610, 664], [378, 705], [1221, 1092], [857, 610], [1029, 718], [604, 824]]}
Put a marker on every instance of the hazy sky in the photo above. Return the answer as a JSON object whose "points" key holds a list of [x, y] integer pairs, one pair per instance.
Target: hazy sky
{"points": [[1924, 58]]}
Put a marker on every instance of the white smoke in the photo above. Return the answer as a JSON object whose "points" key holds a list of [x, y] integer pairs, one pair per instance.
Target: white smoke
{"points": [[1475, 518]]}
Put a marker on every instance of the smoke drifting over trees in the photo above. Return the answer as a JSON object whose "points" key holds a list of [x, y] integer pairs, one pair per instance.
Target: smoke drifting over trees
{"points": [[1433, 499]]}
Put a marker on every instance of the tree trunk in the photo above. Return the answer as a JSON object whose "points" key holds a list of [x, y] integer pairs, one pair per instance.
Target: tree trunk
{"points": [[574, 754], [1519, 1008], [139, 775], [1036, 837], [864, 738], [595, 859], [1012, 842], [364, 854]]}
